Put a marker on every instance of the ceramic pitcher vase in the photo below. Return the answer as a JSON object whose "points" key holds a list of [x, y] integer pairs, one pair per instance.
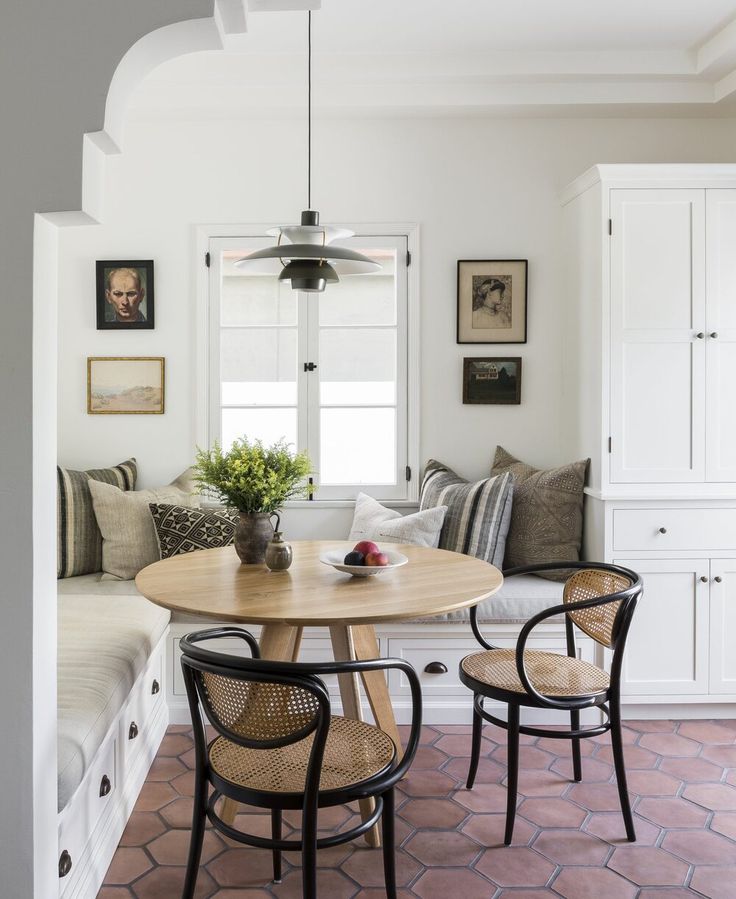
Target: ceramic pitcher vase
{"points": [[252, 535]]}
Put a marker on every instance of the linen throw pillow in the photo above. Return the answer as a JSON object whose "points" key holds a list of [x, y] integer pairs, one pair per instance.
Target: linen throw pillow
{"points": [[79, 541], [128, 536], [372, 521], [182, 530], [547, 518], [478, 513]]}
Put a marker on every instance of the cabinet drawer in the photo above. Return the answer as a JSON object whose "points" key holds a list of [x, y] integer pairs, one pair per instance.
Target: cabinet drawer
{"points": [[78, 820], [650, 530], [432, 652], [145, 697]]}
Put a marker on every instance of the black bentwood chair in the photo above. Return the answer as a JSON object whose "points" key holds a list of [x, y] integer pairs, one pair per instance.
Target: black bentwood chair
{"points": [[280, 748], [600, 600]]}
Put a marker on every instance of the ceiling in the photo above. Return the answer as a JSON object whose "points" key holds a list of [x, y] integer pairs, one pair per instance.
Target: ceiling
{"points": [[481, 57]]}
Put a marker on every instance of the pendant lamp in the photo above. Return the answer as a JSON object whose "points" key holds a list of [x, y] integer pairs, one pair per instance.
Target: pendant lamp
{"points": [[304, 253]]}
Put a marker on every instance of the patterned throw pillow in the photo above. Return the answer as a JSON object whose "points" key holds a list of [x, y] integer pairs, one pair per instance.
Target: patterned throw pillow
{"points": [[478, 513], [180, 530], [372, 521], [547, 518], [79, 541]]}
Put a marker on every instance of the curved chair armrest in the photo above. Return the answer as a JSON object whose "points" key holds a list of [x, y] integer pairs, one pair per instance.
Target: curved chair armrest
{"points": [[216, 633]]}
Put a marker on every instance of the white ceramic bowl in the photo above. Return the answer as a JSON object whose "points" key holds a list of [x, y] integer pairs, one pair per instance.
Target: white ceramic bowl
{"points": [[334, 557]]}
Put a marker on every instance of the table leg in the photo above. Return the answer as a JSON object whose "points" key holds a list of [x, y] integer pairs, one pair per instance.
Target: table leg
{"points": [[365, 644], [344, 651], [279, 642]]}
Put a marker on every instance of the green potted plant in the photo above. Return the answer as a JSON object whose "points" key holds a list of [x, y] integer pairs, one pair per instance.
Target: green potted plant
{"points": [[256, 480]]}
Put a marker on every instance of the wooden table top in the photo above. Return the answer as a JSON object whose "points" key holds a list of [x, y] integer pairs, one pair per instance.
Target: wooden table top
{"points": [[213, 583]]}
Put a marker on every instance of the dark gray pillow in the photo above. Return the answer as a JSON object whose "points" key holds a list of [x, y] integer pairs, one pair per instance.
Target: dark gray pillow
{"points": [[478, 512], [547, 517], [181, 530], [79, 541]]}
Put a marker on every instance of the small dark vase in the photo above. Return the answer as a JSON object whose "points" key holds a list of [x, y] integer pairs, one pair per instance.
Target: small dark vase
{"points": [[252, 535]]}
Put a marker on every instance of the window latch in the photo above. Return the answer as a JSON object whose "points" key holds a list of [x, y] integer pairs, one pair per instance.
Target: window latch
{"points": [[310, 366]]}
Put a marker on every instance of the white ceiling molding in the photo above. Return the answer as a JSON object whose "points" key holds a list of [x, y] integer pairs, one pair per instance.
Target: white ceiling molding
{"points": [[230, 17]]}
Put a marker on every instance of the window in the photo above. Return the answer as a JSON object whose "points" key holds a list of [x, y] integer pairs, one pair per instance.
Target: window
{"points": [[327, 372]]}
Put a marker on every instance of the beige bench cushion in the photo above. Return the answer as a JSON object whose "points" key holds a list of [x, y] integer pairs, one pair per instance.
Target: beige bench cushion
{"points": [[104, 644]]}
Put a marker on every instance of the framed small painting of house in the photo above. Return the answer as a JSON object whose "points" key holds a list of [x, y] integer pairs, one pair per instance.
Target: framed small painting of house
{"points": [[128, 385], [494, 381], [491, 300]]}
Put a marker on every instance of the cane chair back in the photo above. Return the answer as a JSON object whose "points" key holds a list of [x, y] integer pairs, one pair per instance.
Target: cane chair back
{"points": [[597, 622]]}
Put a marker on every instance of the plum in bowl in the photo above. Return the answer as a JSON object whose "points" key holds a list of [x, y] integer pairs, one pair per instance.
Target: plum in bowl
{"points": [[338, 559]]}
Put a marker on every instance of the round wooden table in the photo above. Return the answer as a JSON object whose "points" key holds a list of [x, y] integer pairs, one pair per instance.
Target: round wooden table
{"points": [[212, 583]]}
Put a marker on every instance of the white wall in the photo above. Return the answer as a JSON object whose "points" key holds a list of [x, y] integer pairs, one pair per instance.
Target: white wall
{"points": [[479, 188]]}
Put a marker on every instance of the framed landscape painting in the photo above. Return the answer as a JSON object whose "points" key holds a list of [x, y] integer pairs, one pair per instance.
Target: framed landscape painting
{"points": [[492, 381], [491, 300], [129, 385], [125, 295]]}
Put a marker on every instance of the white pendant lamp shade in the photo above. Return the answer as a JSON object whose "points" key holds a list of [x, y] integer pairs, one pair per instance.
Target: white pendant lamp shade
{"points": [[304, 253]]}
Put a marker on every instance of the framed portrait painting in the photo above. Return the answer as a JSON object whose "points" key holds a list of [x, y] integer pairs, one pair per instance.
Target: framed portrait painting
{"points": [[491, 300], [125, 295], [494, 381], [125, 385]]}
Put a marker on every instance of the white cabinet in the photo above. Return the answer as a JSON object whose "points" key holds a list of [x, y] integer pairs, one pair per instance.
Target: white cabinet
{"points": [[723, 626]]}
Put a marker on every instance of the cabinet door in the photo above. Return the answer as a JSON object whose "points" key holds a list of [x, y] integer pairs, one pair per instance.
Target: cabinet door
{"points": [[657, 361], [723, 626], [667, 649], [720, 358]]}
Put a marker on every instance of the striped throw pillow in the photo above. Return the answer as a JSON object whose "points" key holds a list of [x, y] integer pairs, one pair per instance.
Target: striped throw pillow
{"points": [[478, 512], [79, 541]]}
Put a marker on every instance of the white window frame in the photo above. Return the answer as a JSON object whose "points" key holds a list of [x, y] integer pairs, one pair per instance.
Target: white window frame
{"points": [[207, 402]]}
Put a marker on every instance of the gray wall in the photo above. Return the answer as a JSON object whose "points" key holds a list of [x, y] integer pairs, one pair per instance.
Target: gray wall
{"points": [[56, 62]]}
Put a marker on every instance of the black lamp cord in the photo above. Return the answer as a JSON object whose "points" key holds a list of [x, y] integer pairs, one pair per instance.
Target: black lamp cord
{"points": [[309, 111]]}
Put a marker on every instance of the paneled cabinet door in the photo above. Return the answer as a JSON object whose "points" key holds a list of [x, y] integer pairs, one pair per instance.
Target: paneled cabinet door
{"points": [[657, 336], [723, 626], [720, 359], [667, 648]]}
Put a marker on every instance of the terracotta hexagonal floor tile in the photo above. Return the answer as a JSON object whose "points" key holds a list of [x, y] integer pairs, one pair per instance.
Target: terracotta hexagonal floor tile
{"points": [[378, 893], [561, 748], [427, 735], [706, 732], [653, 726], [165, 768], [458, 745], [670, 744], [725, 756], [142, 827], [672, 812], [127, 865], [669, 893], [114, 893], [439, 883], [242, 868], [445, 849], [597, 882], [466, 729], [634, 756], [488, 771], [609, 826], [719, 797], [366, 867], [427, 783], [499, 735], [536, 782], [175, 744], [515, 866], [184, 783], [329, 883], [648, 866], [241, 894], [428, 757], [725, 823], [700, 847], [482, 798], [596, 797], [488, 830], [552, 812], [571, 847], [172, 848], [525, 894], [155, 796], [594, 771], [652, 783], [692, 770], [167, 883], [178, 813], [433, 813], [714, 882], [331, 818], [332, 857], [529, 757]]}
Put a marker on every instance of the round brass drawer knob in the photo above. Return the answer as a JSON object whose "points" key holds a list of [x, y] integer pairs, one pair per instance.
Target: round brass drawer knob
{"points": [[435, 668]]}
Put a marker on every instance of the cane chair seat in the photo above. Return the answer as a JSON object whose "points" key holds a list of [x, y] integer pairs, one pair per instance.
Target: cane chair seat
{"points": [[550, 673], [354, 752]]}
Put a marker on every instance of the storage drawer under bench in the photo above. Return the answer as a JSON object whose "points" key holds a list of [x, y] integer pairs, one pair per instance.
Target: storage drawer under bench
{"points": [[664, 529]]}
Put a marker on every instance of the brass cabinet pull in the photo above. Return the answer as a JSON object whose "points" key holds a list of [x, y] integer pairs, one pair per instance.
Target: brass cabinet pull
{"points": [[65, 863], [155, 687], [105, 786], [133, 732], [435, 668]]}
